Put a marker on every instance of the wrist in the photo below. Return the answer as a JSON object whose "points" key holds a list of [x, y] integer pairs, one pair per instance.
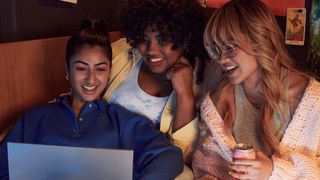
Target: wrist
{"points": [[185, 93], [186, 99]]}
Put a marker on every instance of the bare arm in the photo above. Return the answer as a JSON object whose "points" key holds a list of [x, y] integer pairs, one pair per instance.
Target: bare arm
{"points": [[181, 75]]}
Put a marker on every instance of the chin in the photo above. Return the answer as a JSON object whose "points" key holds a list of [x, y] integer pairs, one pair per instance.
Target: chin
{"points": [[90, 98], [234, 81], [158, 71]]}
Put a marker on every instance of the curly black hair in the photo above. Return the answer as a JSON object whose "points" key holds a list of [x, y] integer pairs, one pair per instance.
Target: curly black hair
{"points": [[181, 22]]}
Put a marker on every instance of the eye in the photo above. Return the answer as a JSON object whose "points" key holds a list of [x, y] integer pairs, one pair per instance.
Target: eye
{"points": [[163, 40], [144, 39], [213, 52], [160, 40], [80, 68], [229, 49], [100, 69]]}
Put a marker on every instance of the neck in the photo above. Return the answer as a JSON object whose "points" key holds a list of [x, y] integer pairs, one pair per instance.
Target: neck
{"points": [[77, 106], [155, 84], [158, 76], [253, 93]]}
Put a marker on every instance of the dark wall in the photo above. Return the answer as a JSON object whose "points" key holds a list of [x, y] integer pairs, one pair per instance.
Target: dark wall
{"points": [[298, 53], [33, 19]]}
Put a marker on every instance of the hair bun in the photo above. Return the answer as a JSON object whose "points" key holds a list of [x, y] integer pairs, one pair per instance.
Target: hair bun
{"points": [[94, 24]]}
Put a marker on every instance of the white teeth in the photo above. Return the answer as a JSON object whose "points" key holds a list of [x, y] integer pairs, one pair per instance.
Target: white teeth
{"points": [[228, 68], [156, 59], [89, 87]]}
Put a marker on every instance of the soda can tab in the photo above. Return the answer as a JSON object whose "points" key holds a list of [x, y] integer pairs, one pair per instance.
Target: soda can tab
{"points": [[243, 151]]}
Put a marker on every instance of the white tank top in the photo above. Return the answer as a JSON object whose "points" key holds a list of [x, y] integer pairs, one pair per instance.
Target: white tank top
{"points": [[130, 96]]}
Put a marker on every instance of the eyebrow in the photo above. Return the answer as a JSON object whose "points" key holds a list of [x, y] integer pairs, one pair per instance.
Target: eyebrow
{"points": [[81, 62]]}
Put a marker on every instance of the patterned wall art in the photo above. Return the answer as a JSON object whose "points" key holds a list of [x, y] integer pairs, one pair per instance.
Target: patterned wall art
{"points": [[296, 26]]}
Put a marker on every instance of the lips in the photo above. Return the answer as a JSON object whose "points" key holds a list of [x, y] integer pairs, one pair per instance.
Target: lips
{"points": [[89, 88], [155, 62], [230, 69], [156, 59]]}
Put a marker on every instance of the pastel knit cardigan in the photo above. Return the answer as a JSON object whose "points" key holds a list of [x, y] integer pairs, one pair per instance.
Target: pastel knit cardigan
{"points": [[299, 147]]}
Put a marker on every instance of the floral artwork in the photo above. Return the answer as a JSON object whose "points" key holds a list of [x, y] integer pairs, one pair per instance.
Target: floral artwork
{"points": [[296, 25]]}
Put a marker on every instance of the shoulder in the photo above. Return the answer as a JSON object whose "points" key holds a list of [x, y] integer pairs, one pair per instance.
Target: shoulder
{"points": [[312, 93], [119, 46], [41, 109], [123, 60], [224, 94], [53, 107], [38, 113], [297, 86], [32, 118]]}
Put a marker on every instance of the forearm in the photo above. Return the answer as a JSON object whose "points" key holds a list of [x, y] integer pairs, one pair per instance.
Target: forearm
{"points": [[185, 110], [159, 167], [298, 166], [14, 136], [207, 162], [152, 150]]}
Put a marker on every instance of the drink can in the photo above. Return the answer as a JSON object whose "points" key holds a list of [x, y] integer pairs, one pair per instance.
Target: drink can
{"points": [[243, 151]]}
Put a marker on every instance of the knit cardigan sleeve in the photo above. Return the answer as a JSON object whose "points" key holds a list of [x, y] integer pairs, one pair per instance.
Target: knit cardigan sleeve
{"points": [[299, 156], [300, 145], [213, 153]]}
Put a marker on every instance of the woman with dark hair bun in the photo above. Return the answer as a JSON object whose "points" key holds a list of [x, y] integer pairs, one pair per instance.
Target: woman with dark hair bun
{"points": [[83, 119], [155, 68]]}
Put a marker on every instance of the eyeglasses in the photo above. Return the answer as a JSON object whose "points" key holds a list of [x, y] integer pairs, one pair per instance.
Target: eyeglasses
{"points": [[228, 51]]}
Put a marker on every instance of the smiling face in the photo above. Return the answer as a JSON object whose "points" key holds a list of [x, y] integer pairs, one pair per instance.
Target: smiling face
{"points": [[241, 67], [89, 74], [157, 52]]}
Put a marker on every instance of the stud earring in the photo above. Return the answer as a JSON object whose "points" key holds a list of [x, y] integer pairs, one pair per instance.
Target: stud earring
{"points": [[67, 77]]}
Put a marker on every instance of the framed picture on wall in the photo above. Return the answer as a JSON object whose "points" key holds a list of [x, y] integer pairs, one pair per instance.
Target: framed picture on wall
{"points": [[295, 26], [70, 1]]}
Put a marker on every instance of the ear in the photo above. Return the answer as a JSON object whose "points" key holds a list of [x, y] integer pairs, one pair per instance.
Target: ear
{"points": [[67, 72], [185, 48]]}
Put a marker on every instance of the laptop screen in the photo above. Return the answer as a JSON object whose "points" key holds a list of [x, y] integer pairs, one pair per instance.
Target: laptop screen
{"points": [[46, 162]]}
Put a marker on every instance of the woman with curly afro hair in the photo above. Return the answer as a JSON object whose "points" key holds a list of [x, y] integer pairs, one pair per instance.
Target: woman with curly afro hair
{"points": [[155, 68]]}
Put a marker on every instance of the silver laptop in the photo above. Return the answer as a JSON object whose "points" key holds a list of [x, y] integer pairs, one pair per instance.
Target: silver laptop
{"points": [[48, 162]]}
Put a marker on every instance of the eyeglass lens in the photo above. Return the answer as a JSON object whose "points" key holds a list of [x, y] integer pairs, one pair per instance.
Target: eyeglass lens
{"points": [[215, 53]]}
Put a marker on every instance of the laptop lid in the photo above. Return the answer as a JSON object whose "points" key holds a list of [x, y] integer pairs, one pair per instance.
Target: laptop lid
{"points": [[46, 162]]}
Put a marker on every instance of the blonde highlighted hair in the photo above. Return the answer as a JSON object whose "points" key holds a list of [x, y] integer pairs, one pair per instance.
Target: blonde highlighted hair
{"points": [[251, 22]]}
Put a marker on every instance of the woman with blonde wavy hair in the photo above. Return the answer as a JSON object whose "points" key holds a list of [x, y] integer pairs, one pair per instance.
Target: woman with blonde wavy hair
{"points": [[262, 100]]}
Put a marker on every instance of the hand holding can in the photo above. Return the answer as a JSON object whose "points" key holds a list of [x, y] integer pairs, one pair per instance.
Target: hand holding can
{"points": [[243, 151]]}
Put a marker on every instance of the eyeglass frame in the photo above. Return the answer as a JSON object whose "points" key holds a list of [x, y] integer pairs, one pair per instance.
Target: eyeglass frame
{"points": [[215, 53]]}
